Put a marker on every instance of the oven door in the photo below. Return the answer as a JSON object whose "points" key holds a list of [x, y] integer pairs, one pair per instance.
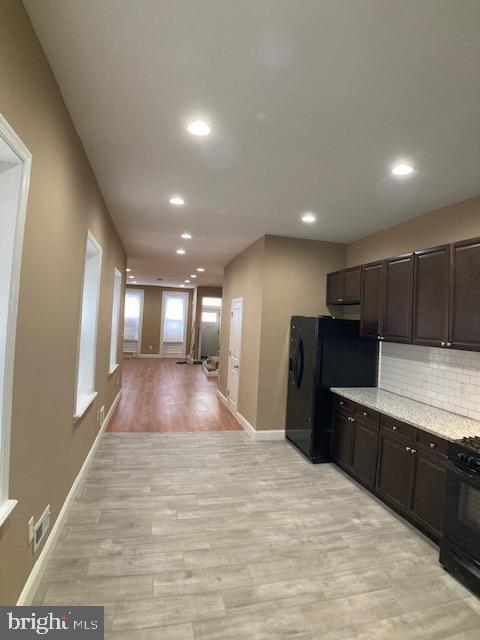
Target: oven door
{"points": [[461, 511]]}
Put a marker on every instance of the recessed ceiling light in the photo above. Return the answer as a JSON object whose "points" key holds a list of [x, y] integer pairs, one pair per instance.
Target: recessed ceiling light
{"points": [[183, 286], [402, 169], [186, 236], [192, 275], [200, 269], [131, 276], [187, 281], [180, 251], [177, 200], [309, 217], [128, 269], [134, 282], [199, 128]]}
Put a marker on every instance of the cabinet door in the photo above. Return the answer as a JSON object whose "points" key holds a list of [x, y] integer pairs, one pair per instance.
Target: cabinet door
{"points": [[393, 472], [428, 483], [465, 296], [365, 451], [342, 436], [351, 285], [431, 296], [372, 300], [397, 322], [335, 287]]}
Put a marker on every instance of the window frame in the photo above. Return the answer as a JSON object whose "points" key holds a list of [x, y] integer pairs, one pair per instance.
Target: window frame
{"points": [[114, 362], [10, 138], [79, 411]]}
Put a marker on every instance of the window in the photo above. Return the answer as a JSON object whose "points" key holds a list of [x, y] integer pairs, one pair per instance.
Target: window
{"points": [[209, 316], [117, 291], [87, 349], [212, 302], [15, 165], [132, 328], [174, 317]]}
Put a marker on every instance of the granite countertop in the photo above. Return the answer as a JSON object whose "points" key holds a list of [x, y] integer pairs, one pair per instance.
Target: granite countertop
{"points": [[450, 426]]}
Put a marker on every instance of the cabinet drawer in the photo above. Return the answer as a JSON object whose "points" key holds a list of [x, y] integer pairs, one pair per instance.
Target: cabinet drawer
{"points": [[366, 416], [432, 442], [343, 404], [397, 427]]}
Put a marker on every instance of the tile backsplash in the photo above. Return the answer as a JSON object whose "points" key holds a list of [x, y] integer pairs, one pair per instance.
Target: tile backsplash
{"points": [[443, 378]]}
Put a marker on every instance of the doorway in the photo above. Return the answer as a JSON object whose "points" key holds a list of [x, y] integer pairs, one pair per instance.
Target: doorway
{"points": [[209, 335], [173, 328], [133, 320], [233, 381]]}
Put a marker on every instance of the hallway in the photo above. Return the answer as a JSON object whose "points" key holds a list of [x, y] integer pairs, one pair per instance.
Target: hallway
{"points": [[207, 536], [162, 396]]}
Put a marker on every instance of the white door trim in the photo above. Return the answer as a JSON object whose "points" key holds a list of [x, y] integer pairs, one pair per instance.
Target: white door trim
{"points": [[8, 135], [231, 406], [186, 296]]}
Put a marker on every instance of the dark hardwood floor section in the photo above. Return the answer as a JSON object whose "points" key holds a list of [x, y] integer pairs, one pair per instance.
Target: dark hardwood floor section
{"points": [[162, 396]]}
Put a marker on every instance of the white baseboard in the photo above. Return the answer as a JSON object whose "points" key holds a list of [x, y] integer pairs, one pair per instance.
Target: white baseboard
{"points": [[257, 435], [36, 574]]}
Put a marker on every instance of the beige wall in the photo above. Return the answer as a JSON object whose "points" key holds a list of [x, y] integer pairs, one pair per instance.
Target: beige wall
{"points": [[449, 224], [277, 278], [294, 284], [243, 278], [47, 448], [152, 316]]}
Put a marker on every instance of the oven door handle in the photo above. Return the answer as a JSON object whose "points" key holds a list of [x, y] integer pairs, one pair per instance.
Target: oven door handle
{"points": [[463, 473]]}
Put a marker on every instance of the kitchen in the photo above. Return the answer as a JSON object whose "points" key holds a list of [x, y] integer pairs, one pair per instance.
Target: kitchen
{"points": [[411, 437]]}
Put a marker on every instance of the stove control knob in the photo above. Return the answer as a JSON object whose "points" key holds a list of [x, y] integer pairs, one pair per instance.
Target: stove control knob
{"points": [[462, 457]]}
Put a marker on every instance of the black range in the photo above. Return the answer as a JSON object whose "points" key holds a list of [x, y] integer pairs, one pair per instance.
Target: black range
{"points": [[460, 547]]}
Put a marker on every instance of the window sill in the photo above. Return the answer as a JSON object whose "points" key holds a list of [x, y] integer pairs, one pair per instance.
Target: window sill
{"points": [[6, 509], [83, 403], [113, 369]]}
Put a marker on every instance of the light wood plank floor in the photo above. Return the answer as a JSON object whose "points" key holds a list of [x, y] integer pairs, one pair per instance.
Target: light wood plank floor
{"points": [[208, 536], [162, 396]]}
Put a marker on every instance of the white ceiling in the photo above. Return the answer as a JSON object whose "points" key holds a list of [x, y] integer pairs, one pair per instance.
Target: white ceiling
{"points": [[310, 104]]}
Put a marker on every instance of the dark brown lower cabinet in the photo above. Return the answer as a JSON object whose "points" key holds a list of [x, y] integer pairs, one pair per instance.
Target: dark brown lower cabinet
{"points": [[428, 483], [394, 469], [365, 451], [404, 466], [342, 438]]}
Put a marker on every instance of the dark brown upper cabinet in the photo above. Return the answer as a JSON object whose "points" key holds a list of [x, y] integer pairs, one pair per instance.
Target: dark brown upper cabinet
{"points": [[335, 287], [397, 315], [371, 311], [351, 286], [431, 288], [343, 287], [464, 330]]}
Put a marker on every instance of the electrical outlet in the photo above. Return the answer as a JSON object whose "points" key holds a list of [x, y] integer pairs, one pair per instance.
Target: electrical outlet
{"points": [[150, 347], [31, 529]]}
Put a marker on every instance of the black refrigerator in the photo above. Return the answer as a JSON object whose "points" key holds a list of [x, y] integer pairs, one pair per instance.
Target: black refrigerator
{"points": [[324, 352]]}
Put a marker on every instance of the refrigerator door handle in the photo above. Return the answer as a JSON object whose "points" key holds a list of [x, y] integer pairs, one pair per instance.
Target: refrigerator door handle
{"points": [[299, 364]]}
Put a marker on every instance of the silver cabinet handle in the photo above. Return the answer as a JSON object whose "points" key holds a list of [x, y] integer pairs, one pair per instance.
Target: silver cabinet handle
{"points": [[449, 344], [444, 344], [341, 403], [339, 299], [394, 428], [364, 413], [408, 449], [413, 451], [432, 445]]}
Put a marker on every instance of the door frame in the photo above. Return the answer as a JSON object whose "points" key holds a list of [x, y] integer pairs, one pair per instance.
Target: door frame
{"points": [[219, 310], [234, 410], [10, 138], [186, 295]]}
